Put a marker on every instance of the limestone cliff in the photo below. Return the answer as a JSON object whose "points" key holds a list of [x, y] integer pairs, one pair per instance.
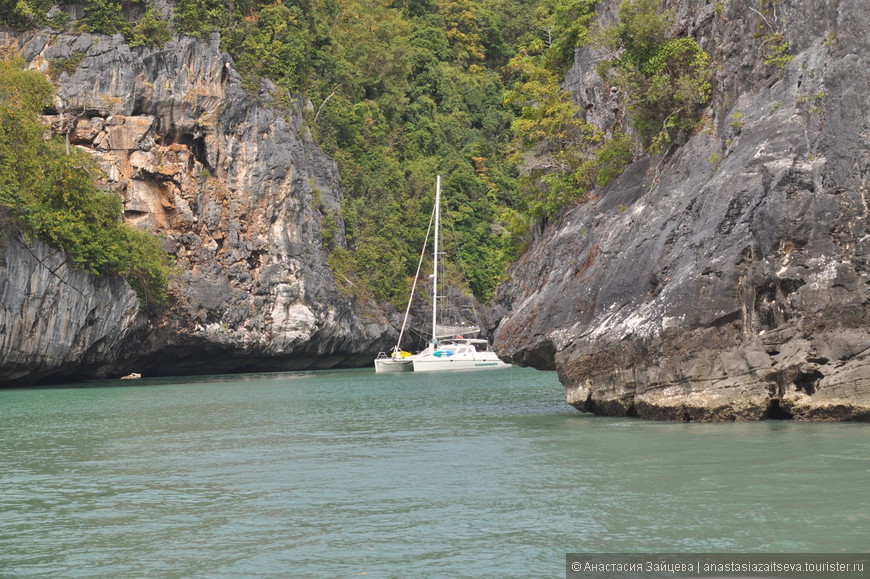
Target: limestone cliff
{"points": [[238, 191], [728, 280]]}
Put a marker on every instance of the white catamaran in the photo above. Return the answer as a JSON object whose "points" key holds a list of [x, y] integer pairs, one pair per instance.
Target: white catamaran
{"points": [[450, 347]]}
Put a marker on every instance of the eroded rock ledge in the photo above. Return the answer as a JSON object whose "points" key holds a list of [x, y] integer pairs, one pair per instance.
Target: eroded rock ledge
{"points": [[729, 280]]}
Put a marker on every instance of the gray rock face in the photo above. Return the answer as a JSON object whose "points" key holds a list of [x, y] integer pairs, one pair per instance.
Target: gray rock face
{"points": [[55, 319], [730, 280], [237, 189]]}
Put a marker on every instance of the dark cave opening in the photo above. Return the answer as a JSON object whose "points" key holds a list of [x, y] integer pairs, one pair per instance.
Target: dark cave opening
{"points": [[775, 411]]}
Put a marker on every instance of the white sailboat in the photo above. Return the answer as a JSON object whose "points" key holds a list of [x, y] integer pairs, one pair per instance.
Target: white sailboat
{"points": [[449, 348]]}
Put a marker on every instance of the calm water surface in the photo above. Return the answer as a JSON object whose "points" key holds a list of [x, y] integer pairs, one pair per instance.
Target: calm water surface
{"points": [[343, 474]]}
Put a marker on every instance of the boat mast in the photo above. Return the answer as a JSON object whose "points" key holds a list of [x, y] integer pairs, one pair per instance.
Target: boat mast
{"points": [[435, 259]]}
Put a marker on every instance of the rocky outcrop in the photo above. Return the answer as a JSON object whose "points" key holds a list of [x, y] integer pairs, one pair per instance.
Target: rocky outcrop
{"points": [[54, 318], [728, 280], [236, 188]]}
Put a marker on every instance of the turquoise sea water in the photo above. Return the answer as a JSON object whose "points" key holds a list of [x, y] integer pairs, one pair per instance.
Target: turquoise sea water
{"points": [[348, 473]]}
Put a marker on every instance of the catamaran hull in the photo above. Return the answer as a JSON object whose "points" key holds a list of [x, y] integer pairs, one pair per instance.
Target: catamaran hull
{"points": [[390, 365], [442, 364]]}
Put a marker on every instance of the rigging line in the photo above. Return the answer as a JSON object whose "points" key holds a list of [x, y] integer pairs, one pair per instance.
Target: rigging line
{"points": [[416, 276]]}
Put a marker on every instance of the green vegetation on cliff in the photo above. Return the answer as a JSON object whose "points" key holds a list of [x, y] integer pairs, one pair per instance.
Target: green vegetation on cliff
{"points": [[402, 90], [563, 156], [51, 194], [664, 80]]}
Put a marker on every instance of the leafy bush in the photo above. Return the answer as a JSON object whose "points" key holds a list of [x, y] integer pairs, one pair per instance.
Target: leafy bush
{"points": [[106, 17], [612, 157], [271, 43], [777, 50], [69, 65], [23, 14], [151, 30], [664, 81], [564, 156], [199, 18]]}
